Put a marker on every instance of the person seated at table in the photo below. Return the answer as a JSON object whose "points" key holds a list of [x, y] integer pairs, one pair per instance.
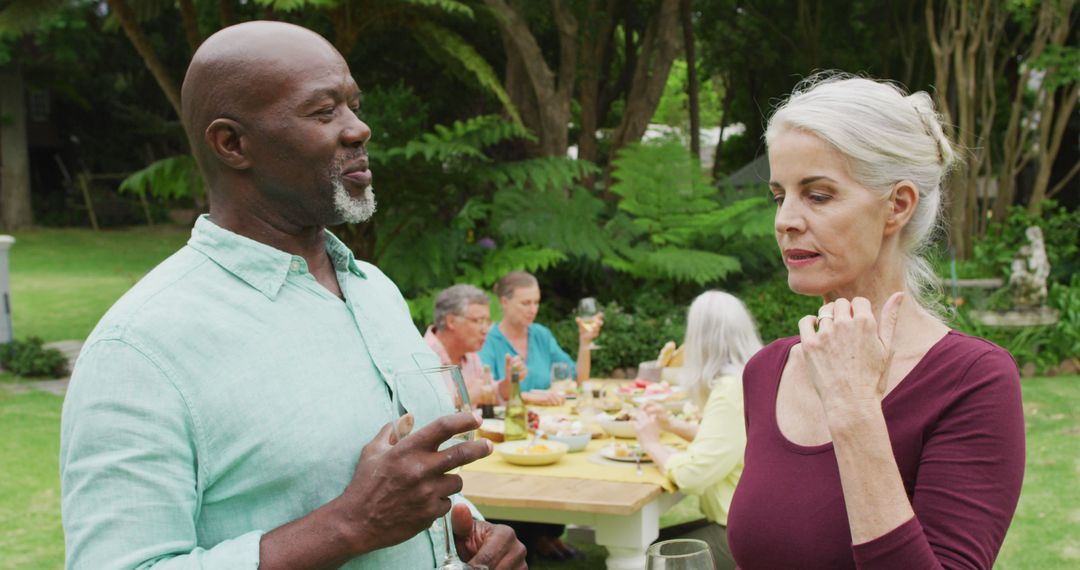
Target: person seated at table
{"points": [[877, 437], [720, 339], [517, 335], [462, 318]]}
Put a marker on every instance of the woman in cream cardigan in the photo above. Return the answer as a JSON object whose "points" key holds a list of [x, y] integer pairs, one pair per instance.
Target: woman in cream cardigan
{"points": [[720, 339]]}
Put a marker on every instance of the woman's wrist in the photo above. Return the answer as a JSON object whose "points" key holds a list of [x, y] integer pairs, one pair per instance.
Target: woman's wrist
{"points": [[854, 417]]}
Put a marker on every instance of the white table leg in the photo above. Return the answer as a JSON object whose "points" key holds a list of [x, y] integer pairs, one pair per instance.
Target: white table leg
{"points": [[628, 537]]}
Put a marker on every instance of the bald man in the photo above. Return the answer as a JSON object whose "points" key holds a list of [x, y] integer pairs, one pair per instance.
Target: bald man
{"points": [[233, 409]]}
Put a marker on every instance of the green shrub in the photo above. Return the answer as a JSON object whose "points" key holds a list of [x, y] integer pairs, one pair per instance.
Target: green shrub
{"points": [[776, 309], [994, 253], [1043, 346], [631, 334], [634, 332], [30, 358]]}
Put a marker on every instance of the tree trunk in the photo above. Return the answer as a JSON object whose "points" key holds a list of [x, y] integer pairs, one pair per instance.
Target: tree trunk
{"points": [[126, 17], [191, 24], [1054, 113], [658, 51], [692, 87], [594, 61], [725, 110], [15, 211], [552, 92], [226, 12]]}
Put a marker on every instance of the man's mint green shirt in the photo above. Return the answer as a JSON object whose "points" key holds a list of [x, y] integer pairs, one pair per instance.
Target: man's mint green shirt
{"points": [[226, 394]]}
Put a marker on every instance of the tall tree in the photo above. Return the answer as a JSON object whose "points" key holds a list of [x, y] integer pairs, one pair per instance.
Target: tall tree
{"points": [[15, 211], [548, 91], [692, 87], [130, 24], [659, 47], [984, 50]]}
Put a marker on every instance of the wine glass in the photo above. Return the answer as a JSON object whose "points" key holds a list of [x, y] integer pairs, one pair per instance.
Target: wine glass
{"points": [[560, 371], [679, 554], [445, 383], [588, 309]]}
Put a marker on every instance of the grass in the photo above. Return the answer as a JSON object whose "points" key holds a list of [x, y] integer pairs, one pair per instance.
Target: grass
{"points": [[64, 280], [30, 532]]}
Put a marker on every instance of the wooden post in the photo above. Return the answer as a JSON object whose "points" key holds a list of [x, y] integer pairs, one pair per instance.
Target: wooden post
{"points": [[84, 185]]}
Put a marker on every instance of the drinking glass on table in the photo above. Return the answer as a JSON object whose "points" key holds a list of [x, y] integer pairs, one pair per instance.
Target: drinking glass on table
{"points": [[434, 378], [560, 371], [679, 554], [588, 309]]}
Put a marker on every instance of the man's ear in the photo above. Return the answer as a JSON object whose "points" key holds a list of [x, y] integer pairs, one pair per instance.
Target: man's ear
{"points": [[902, 203], [225, 137]]}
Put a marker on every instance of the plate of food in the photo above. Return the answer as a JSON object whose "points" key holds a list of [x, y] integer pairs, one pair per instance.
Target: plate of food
{"points": [[529, 453], [629, 452]]}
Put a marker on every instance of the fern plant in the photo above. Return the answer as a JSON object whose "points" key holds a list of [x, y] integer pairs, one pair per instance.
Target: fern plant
{"points": [[166, 179], [669, 211], [484, 218]]}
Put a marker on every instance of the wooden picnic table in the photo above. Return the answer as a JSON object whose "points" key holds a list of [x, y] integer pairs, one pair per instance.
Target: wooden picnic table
{"points": [[625, 516]]}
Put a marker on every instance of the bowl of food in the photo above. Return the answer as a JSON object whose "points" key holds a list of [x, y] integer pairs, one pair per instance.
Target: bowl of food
{"points": [[529, 453], [619, 425], [574, 441]]}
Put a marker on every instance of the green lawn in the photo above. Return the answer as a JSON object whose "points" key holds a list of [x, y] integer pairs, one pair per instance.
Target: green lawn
{"points": [[64, 280]]}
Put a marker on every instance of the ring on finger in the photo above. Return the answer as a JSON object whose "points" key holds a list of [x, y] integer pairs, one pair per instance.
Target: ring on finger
{"points": [[823, 317]]}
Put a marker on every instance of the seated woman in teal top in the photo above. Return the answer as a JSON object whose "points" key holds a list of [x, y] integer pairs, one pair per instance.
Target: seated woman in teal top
{"points": [[517, 335]]}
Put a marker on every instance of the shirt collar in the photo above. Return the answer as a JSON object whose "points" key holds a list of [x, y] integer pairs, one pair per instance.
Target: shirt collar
{"points": [[259, 265]]}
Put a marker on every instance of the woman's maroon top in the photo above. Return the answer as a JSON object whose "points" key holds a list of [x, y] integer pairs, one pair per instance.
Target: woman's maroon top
{"points": [[956, 423]]}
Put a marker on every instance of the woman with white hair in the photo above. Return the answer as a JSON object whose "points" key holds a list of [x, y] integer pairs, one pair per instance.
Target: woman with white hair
{"points": [[877, 437], [720, 339]]}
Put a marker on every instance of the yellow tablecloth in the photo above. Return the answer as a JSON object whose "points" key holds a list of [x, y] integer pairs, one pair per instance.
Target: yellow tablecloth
{"points": [[586, 464]]}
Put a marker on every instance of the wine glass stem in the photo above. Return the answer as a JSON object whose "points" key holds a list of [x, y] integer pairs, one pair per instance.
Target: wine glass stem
{"points": [[451, 557]]}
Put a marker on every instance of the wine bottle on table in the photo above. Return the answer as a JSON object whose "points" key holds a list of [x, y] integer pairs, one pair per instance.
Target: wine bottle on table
{"points": [[487, 398], [517, 420]]}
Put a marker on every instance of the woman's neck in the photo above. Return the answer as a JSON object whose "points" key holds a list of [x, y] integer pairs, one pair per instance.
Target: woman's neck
{"points": [[514, 330]]}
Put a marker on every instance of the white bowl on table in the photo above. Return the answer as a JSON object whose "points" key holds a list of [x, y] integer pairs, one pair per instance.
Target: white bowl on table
{"points": [[574, 442], [623, 429]]}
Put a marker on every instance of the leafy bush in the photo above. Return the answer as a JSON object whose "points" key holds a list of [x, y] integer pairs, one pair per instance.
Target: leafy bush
{"points": [[776, 308], [634, 332], [1043, 346], [30, 358], [631, 334], [994, 253]]}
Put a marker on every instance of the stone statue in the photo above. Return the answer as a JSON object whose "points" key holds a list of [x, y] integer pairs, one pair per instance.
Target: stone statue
{"points": [[1030, 269]]}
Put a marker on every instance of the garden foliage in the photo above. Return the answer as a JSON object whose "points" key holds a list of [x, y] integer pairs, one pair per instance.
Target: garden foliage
{"points": [[660, 222], [30, 358]]}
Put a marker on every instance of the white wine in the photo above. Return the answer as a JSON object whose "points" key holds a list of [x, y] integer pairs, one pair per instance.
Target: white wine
{"points": [[517, 417]]}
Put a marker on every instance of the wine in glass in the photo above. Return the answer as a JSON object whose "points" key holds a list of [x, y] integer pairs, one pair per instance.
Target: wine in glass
{"points": [[588, 310], [679, 554], [443, 382], [560, 372]]}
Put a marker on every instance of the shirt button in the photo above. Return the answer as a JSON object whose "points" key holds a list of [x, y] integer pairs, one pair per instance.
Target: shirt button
{"points": [[294, 266]]}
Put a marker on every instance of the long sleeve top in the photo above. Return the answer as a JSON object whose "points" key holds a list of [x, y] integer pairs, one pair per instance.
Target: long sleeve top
{"points": [[957, 430], [712, 464]]}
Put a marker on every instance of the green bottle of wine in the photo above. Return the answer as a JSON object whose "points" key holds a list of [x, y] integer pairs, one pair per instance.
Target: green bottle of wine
{"points": [[517, 420]]}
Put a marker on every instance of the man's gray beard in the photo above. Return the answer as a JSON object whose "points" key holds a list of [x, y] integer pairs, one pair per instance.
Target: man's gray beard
{"points": [[353, 210]]}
